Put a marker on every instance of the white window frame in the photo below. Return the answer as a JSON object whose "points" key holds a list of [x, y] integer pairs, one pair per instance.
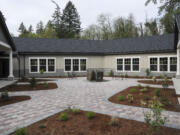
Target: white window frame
{"points": [[138, 57], [79, 58], [158, 63], [38, 64]]}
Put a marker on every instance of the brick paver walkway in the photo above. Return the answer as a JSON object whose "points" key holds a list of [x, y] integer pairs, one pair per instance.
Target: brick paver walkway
{"points": [[77, 93]]}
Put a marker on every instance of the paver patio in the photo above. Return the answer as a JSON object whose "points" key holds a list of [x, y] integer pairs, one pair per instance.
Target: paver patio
{"points": [[78, 93]]}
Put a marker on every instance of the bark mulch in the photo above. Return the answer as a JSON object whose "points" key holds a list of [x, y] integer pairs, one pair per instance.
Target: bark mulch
{"points": [[79, 124], [27, 87], [167, 97], [38, 80], [13, 99], [158, 82]]}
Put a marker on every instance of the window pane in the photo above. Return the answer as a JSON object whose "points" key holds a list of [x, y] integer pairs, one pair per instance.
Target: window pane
{"points": [[33, 65], [164, 64], [75, 64], [120, 64], [51, 65], [42, 65], [173, 64], [67, 64], [153, 64], [135, 64], [83, 64]]}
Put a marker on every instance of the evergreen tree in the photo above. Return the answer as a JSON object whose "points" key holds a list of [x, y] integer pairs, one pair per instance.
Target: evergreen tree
{"points": [[70, 22], [152, 27], [39, 28], [56, 21], [23, 31], [30, 29], [49, 32]]}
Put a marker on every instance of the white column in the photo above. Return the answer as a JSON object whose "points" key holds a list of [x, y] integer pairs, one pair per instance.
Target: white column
{"points": [[178, 63], [11, 76]]}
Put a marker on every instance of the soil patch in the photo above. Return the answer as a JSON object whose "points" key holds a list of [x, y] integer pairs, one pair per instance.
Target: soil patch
{"points": [[167, 97], [158, 82], [15, 88], [38, 80], [13, 99], [79, 124]]}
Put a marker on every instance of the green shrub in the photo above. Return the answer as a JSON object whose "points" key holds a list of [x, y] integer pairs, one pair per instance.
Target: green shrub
{"points": [[64, 116], [139, 86], [132, 90], [143, 90], [146, 97], [154, 78], [33, 82], [130, 98], [90, 115], [111, 74], [42, 71], [5, 95], [157, 92], [21, 131], [46, 85], [114, 121], [121, 98], [165, 101], [76, 111]]}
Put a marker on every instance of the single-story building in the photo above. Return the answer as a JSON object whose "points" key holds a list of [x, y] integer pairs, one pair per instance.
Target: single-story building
{"points": [[132, 56]]}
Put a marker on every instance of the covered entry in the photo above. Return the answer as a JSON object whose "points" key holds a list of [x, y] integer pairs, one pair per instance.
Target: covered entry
{"points": [[4, 67]]}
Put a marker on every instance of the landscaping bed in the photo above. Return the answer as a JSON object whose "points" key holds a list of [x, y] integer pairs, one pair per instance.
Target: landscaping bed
{"points": [[15, 88], [80, 124], [167, 97], [38, 80], [158, 82], [13, 99]]}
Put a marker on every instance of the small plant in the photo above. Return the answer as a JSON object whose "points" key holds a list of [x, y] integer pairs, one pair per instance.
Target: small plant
{"points": [[33, 82], [132, 90], [126, 75], [42, 71], [111, 74], [5, 95], [165, 84], [121, 98], [143, 103], [148, 72], [154, 117], [157, 92], [90, 115], [64, 116], [154, 78], [146, 97], [165, 101], [147, 86], [114, 121], [46, 85], [21, 131], [76, 111], [130, 98], [143, 90], [139, 86], [42, 126]]}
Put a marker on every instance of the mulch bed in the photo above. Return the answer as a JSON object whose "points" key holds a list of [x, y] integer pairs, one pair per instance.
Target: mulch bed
{"points": [[158, 82], [168, 94], [137, 77], [79, 124], [13, 99], [16, 88]]}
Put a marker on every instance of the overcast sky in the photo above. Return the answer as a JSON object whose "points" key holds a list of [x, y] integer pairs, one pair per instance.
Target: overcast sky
{"points": [[32, 11]]}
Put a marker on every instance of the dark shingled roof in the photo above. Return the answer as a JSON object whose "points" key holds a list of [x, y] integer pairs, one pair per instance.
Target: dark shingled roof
{"points": [[178, 21], [6, 31], [163, 43]]}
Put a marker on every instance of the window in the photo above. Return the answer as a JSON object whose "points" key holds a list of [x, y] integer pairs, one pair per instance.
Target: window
{"points": [[163, 64], [127, 64], [45, 64], [153, 64], [83, 64], [42, 65], [51, 65], [120, 64], [135, 64], [173, 64], [67, 64], [75, 64], [167, 64], [34, 65]]}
